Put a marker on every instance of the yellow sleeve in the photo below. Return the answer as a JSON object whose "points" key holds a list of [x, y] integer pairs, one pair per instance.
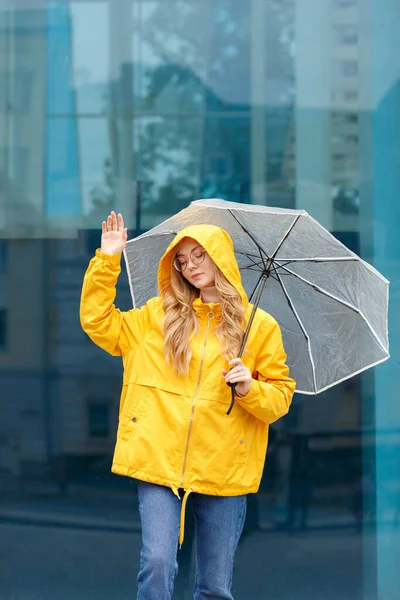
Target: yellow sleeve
{"points": [[272, 389], [115, 331]]}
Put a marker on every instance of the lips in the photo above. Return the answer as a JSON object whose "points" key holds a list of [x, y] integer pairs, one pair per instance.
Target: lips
{"points": [[197, 275]]}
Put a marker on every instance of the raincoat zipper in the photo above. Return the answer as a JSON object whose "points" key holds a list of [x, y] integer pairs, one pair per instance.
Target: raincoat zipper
{"points": [[210, 316]]}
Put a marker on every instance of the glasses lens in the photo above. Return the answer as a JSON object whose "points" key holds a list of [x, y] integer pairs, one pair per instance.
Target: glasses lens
{"points": [[180, 264], [197, 256]]}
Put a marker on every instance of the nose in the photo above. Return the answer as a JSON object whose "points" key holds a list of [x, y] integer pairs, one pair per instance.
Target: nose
{"points": [[191, 264]]}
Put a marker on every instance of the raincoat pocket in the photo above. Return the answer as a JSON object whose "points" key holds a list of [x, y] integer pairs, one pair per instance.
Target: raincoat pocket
{"points": [[219, 448], [135, 408]]}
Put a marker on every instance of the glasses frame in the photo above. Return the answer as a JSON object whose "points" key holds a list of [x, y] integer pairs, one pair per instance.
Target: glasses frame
{"points": [[194, 259]]}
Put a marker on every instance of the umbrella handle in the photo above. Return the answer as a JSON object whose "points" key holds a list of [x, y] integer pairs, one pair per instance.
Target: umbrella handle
{"points": [[232, 386]]}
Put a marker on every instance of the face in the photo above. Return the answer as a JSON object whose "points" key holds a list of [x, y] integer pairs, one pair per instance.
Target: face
{"points": [[202, 274]]}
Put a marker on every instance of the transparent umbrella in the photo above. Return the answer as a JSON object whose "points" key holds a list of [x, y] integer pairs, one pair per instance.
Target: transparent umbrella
{"points": [[330, 304]]}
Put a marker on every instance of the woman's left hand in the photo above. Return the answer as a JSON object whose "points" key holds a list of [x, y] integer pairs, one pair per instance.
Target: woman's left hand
{"points": [[240, 375]]}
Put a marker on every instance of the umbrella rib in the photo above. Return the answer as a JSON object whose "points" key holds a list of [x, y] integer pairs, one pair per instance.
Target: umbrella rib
{"points": [[340, 301], [285, 236], [252, 258], [250, 268], [282, 262], [321, 290], [253, 268], [298, 319], [251, 237], [320, 259]]}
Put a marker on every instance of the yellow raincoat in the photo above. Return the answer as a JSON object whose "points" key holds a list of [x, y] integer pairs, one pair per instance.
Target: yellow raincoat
{"points": [[174, 430]]}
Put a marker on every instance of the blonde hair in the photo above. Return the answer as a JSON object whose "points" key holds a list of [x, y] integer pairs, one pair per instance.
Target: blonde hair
{"points": [[181, 323]]}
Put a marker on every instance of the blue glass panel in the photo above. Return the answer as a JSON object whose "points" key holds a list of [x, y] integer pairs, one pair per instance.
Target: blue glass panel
{"points": [[63, 198]]}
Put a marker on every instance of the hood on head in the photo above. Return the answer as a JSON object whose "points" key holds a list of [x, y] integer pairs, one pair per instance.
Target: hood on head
{"points": [[219, 247]]}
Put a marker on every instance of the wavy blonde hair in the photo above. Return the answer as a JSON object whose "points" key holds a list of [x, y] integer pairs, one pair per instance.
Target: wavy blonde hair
{"points": [[181, 323]]}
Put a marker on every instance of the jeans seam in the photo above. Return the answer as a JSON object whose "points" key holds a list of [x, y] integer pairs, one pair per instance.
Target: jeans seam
{"points": [[242, 516], [172, 579], [196, 580]]}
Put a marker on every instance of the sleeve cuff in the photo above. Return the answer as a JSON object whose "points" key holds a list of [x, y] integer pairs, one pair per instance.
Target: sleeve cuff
{"points": [[251, 394], [113, 259]]}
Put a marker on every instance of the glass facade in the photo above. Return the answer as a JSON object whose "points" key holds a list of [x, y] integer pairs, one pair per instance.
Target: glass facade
{"points": [[142, 106]]}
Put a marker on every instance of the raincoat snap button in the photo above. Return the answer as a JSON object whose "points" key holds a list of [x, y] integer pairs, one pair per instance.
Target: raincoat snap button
{"points": [[242, 441], [134, 419]]}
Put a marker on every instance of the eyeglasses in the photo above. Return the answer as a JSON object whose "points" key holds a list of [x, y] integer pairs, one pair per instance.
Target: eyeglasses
{"points": [[197, 256]]}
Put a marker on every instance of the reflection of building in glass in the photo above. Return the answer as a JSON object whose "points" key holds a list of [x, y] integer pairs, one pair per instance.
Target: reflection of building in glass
{"points": [[322, 158], [22, 357], [38, 139], [345, 109], [21, 331], [60, 393], [22, 116]]}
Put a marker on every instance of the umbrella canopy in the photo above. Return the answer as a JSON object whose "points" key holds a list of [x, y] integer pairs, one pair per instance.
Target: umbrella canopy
{"points": [[330, 304]]}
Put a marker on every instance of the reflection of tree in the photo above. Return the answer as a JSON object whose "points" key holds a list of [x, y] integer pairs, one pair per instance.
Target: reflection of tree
{"points": [[177, 156], [346, 201], [208, 40], [167, 162], [202, 67], [192, 126]]}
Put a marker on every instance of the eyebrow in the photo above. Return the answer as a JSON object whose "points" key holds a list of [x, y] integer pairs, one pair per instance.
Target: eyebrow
{"points": [[191, 250]]}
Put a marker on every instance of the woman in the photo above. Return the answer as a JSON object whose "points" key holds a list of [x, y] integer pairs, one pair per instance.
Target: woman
{"points": [[179, 353]]}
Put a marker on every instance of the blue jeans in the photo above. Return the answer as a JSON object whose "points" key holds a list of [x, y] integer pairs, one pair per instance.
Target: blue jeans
{"points": [[219, 523]]}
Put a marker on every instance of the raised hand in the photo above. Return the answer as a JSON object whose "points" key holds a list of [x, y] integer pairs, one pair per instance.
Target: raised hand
{"points": [[114, 234]]}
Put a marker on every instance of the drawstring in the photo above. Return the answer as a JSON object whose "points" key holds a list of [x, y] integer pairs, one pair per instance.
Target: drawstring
{"points": [[183, 510], [175, 490], [182, 527]]}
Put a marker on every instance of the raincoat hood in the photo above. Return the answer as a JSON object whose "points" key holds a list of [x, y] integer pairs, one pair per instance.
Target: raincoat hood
{"points": [[219, 247]]}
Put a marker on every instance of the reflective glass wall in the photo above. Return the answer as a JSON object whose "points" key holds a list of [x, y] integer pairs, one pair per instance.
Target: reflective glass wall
{"points": [[142, 106]]}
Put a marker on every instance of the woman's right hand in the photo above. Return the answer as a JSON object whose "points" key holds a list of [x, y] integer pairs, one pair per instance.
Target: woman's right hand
{"points": [[114, 234]]}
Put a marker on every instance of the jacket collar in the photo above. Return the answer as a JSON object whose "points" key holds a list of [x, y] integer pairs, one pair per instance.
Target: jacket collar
{"points": [[202, 309]]}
